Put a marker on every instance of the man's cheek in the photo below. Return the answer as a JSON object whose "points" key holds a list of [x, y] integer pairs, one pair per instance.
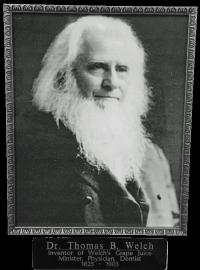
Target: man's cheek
{"points": [[127, 91]]}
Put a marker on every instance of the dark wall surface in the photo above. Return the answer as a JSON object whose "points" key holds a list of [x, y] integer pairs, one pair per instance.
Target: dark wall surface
{"points": [[165, 41]]}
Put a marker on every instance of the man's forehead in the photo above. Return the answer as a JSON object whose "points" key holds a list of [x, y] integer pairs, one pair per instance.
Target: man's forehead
{"points": [[102, 44]]}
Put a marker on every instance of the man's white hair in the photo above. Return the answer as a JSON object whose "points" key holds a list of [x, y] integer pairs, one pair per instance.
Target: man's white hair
{"points": [[57, 71]]}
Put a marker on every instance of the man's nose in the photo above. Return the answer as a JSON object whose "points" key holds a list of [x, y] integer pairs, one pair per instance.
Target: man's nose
{"points": [[110, 81]]}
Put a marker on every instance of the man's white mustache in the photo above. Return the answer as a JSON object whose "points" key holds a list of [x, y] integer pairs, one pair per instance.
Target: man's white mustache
{"points": [[112, 94]]}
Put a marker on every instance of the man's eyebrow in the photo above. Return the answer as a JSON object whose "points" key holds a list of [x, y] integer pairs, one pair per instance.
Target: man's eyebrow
{"points": [[94, 60]]}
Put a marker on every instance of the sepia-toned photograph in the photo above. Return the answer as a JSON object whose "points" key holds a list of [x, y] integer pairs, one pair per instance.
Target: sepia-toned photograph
{"points": [[99, 114]]}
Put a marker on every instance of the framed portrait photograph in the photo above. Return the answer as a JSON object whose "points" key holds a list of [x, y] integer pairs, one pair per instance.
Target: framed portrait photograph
{"points": [[99, 118]]}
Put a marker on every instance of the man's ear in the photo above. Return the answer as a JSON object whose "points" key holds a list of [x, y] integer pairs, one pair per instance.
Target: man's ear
{"points": [[60, 80]]}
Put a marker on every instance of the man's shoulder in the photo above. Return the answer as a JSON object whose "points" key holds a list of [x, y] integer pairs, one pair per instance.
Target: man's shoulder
{"points": [[40, 127], [153, 151], [30, 120], [158, 185], [156, 162], [39, 139]]}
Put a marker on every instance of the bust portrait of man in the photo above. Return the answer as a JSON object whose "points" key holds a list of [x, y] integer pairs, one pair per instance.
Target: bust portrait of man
{"points": [[86, 158]]}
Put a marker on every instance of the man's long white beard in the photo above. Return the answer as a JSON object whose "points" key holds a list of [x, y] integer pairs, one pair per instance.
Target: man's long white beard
{"points": [[110, 138]]}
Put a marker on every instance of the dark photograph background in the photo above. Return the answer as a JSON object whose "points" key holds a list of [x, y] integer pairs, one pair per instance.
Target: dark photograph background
{"points": [[165, 41]]}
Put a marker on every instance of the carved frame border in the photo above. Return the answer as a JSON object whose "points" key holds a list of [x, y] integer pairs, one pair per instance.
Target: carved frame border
{"points": [[8, 10]]}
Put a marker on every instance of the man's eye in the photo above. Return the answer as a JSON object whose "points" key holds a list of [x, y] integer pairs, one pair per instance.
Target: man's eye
{"points": [[96, 66], [121, 68]]}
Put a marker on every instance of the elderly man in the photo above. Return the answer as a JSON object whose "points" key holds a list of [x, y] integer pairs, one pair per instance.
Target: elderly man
{"points": [[94, 165]]}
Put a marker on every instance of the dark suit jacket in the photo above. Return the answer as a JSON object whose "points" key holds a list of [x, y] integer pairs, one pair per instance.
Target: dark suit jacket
{"points": [[56, 188]]}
